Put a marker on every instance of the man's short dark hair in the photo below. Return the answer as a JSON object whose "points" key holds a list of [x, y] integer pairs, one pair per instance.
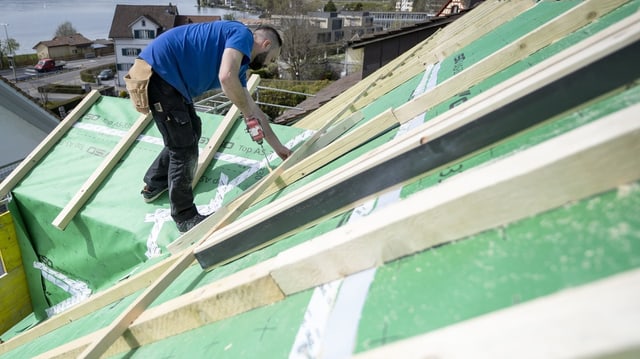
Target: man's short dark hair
{"points": [[274, 34]]}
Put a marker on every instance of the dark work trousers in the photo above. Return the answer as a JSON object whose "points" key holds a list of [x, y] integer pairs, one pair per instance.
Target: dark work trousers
{"points": [[176, 164]]}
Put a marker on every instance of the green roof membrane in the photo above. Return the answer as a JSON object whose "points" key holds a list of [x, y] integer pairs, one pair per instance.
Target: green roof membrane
{"points": [[471, 52], [115, 231], [506, 34], [267, 332], [569, 246], [566, 247]]}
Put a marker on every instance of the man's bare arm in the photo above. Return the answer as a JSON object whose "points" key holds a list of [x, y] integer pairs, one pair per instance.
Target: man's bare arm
{"points": [[230, 82], [240, 96]]}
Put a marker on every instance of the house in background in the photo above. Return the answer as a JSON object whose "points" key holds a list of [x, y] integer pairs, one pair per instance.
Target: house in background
{"points": [[367, 54], [64, 47], [101, 47], [134, 26], [331, 27], [437, 6], [397, 19]]}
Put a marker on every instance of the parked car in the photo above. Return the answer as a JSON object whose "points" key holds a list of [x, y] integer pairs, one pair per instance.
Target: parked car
{"points": [[46, 65], [105, 74]]}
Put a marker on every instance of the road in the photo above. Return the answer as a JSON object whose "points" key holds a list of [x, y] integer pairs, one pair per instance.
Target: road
{"points": [[29, 82]]}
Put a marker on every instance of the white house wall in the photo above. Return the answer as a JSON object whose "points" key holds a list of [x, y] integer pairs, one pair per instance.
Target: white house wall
{"points": [[124, 62]]}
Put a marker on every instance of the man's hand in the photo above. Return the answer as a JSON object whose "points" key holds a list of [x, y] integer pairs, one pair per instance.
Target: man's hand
{"points": [[283, 152]]}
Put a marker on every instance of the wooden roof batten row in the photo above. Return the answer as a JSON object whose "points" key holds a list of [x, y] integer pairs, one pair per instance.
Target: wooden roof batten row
{"points": [[561, 160], [306, 266]]}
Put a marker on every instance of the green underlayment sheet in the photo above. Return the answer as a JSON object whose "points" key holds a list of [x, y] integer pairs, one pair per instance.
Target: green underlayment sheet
{"points": [[116, 231], [573, 245], [570, 246]]}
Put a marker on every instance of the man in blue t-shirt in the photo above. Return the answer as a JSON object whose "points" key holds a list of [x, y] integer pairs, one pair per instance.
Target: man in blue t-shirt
{"points": [[186, 62]]}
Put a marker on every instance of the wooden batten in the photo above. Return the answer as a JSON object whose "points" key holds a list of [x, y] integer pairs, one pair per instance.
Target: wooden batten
{"points": [[95, 302], [110, 334], [332, 151], [100, 173]]}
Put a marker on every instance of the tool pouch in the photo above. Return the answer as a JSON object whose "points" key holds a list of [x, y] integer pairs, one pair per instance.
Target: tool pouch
{"points": [[137, 82]]}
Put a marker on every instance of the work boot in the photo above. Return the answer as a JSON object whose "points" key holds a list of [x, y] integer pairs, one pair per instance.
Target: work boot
{"points": [[150, 194], [186, 225]]}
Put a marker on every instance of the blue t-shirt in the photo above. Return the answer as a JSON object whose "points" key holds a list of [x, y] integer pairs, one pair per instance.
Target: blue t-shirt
{"points": [[188, 57]]}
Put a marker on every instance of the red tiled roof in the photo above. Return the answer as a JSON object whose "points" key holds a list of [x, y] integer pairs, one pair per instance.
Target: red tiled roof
{"points": [[125, 15]]}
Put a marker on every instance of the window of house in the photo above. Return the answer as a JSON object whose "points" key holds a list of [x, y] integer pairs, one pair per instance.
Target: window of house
{"points": [[144, 34], [131, 51]]}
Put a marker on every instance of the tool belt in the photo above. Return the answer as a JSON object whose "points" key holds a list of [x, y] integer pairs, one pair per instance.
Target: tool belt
{"points": [[137, 82]]}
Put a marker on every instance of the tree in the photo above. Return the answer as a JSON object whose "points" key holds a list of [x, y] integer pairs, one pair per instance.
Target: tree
{"points": [[330, 7], [354, 7], [65, 29], [8, 47], [299, 51]]}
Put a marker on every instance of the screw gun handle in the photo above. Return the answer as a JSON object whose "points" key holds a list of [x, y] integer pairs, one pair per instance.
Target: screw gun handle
{"points": [[254, 129]]}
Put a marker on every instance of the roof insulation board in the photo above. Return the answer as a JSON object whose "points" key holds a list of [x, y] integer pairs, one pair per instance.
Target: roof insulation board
{"points": [[479, 274]]}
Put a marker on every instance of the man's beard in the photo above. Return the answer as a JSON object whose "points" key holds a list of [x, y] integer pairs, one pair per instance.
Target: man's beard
{"points": [[258, 61]]}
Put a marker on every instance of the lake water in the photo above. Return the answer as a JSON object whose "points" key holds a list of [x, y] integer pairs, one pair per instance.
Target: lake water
{"points": [[32, 21]]}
